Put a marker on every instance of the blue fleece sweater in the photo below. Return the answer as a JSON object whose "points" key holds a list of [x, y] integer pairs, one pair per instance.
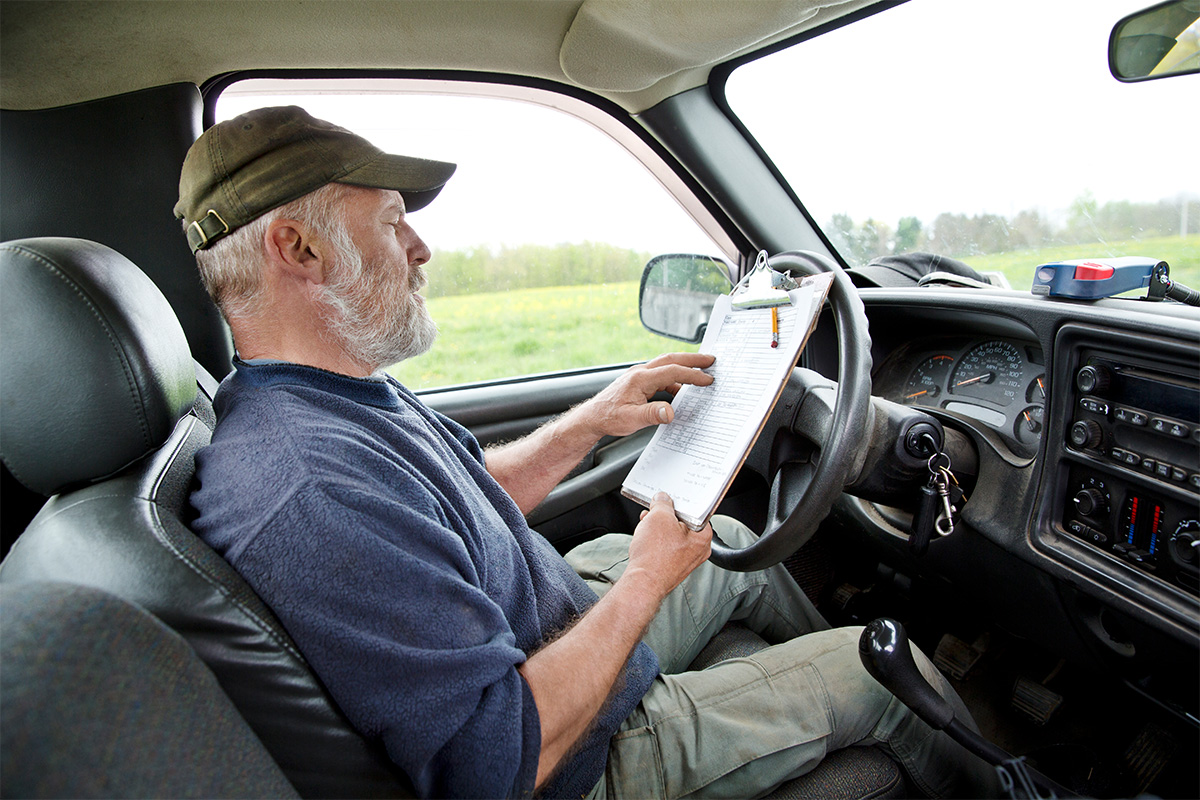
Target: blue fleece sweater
{"points": [[407, 576]]}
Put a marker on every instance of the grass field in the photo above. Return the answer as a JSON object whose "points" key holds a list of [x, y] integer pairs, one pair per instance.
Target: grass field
{"points": [[528, 331]]}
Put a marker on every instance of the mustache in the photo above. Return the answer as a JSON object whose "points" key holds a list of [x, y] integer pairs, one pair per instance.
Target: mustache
{"points": [[416, 278]]}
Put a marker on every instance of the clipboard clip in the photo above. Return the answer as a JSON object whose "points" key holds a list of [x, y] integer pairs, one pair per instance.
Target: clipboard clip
{"points": [[762, 287]]}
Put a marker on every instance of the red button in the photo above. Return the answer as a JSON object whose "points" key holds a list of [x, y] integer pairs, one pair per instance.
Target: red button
{"points": [[1092, 271]]}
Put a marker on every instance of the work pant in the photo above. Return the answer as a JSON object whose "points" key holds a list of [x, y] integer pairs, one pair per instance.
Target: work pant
{"points": [[743, 726]]}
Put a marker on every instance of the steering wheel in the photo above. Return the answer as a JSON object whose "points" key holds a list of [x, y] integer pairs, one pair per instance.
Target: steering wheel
{"points": [[803, 493]]}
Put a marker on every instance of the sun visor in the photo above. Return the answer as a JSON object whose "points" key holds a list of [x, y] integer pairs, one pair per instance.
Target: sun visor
{"points": [[629, 45]]}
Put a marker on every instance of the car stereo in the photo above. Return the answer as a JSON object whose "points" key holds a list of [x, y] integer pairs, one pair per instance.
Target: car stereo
{"points": [[1136, 492]]}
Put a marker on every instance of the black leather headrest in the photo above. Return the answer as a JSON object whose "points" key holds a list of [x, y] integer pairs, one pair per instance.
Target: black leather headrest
{"points": [[96, 369]]}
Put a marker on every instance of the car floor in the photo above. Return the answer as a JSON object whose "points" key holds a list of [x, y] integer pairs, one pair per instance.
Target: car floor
{"points": [[1096, 738]]}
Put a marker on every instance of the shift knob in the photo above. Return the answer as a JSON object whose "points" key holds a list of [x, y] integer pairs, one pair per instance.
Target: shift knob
{"points": [[887, 655]]}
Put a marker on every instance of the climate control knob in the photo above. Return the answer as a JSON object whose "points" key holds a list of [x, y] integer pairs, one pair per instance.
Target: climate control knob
{"points": [[1090, 501], [1086, 434], [1185, 542]]}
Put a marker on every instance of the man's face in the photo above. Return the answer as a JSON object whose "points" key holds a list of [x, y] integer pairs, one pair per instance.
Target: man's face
{"points": [[371, 288]]}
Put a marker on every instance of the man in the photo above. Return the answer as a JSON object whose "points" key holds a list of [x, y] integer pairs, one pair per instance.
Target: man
{"points": [[396, 552]]}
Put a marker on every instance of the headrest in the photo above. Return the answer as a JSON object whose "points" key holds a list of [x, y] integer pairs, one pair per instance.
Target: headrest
{"points": [[95, 369]]}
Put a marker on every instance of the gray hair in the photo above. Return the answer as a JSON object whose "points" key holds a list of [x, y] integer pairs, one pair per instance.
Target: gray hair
{"points": [[231, 268]]}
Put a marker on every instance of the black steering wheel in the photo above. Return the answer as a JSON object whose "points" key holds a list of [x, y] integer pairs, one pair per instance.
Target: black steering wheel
{"points": [[803, 493]]}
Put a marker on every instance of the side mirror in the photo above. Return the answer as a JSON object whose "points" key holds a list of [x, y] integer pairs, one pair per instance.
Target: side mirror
{"points": [[678, 293], [1156, 42]]}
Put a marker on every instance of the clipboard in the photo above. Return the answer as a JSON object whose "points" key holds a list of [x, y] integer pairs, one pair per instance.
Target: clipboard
{"points": [[695, 458]]}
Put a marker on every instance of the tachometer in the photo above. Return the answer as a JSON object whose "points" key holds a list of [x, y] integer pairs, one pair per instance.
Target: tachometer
{"points": [[991, 371], [927, 380]]}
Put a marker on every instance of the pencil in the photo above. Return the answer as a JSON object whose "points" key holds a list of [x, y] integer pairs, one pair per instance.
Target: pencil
{"points": [[774, 326]]}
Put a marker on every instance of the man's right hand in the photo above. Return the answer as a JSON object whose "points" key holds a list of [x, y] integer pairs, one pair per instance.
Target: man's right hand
{"points": [[666, 549]]}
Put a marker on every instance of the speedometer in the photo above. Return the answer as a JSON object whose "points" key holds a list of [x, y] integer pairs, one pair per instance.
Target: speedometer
{"points": [[991, 371]]}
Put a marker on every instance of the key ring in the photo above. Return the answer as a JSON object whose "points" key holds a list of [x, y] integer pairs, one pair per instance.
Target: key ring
{"points": [[933, 459]]}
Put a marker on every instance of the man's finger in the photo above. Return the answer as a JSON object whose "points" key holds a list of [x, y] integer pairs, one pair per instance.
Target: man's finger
{"points": [[696, 360], [671, 374]]}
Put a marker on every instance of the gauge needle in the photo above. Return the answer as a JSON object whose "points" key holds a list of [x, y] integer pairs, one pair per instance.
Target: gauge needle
{"points": [[926, 391], [987, 376], [1042, 389]]}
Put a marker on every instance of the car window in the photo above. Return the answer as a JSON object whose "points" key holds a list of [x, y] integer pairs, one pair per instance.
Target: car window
{"points": [[994, 135], [539, 239]]}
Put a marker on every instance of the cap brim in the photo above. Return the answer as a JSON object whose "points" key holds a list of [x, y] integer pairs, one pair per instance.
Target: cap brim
{"points": [[418, 180]]}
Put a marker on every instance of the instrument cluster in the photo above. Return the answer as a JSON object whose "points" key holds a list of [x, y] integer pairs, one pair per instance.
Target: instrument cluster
{"points": [[998, 382]]}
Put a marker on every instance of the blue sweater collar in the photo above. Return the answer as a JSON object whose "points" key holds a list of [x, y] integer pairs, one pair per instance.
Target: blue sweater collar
{"points": [[381, 391]]}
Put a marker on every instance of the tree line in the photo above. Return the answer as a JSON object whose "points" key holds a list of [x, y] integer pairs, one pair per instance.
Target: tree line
{"points": [[483, 269], [961, 235]]}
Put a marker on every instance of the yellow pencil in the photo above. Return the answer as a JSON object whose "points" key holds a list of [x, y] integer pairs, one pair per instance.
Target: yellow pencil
{"points": [[774, 326]]}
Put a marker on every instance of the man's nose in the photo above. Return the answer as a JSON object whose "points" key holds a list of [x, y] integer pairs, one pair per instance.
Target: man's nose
{"points": [[418, 252]]}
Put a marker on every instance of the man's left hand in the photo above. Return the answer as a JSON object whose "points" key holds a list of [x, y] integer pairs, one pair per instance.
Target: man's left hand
{"points": [[625, 406]]}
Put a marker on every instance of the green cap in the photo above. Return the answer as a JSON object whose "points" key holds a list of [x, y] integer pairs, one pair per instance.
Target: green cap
{"points": [[242, 168]]}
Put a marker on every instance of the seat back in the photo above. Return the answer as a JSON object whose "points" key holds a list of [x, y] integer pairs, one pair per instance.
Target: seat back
{"points": [[100, 699], [97, 386]]}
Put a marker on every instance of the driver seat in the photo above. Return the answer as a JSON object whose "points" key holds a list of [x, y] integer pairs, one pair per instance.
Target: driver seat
{"points": [[102, 414]]}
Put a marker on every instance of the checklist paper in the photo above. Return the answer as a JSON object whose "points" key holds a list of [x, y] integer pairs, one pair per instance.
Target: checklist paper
{"points": [[695, 458]]}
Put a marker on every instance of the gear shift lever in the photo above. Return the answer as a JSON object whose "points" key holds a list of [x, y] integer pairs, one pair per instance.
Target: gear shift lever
{"points": [[887, 655]]}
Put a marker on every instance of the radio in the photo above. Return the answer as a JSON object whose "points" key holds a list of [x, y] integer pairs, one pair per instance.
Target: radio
{"points": [[1140, 503]]}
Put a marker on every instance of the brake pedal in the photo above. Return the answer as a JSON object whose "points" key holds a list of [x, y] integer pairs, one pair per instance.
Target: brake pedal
{"points": [[1035, 700], [955, 658]]}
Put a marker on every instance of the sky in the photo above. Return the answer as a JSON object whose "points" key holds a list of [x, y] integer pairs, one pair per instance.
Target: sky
{"points": [[862, 121]]}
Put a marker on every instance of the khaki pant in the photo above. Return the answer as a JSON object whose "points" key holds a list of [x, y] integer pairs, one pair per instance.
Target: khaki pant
{"points": [[743, 726]]}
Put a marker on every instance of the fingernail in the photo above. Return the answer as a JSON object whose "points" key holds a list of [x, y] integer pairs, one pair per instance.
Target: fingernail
{"points": [[663, 414]]}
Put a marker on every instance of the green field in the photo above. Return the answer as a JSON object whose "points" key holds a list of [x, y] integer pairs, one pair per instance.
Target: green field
{"points": [[528, 331]]}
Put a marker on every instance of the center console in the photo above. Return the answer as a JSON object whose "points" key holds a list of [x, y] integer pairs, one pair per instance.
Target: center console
{"points": [[1129, 480]]}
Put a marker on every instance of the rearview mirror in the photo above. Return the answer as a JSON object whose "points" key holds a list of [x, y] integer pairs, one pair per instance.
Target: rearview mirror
{"points": [[678, 293], [1156, 42]]}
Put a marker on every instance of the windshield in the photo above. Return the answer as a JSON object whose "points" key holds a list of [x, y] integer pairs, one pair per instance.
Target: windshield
{"points": [[992, 133]]}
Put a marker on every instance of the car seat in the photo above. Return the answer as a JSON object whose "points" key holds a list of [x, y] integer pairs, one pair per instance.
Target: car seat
{"points": [[102, 413], [100, 699], [101, 410]]}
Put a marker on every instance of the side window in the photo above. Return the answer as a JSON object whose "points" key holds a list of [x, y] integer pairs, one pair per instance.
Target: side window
{"points": [[538, 240]]}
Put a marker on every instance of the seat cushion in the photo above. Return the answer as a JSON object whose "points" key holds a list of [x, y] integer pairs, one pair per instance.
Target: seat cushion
{"points": [[100, 699]]}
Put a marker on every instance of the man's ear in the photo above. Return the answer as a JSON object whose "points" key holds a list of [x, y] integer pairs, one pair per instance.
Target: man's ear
{"points": [[292, 248]]}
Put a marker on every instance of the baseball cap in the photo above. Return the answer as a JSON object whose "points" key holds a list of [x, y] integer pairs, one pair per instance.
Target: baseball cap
{"points": [[243, 167]]}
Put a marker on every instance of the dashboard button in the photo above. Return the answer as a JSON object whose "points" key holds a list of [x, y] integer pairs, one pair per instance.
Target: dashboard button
{"points": [[1117, 454], [1162, 469], [1093, 405], [1132, 458], [1178, 475], [1194, 480], [1131, 416], [1149, 464]]}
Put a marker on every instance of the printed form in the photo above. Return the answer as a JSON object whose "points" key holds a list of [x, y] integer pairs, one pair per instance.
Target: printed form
{"points": [[695, 458]]}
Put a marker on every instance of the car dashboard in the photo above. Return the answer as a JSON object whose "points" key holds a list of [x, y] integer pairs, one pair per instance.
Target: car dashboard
{"points": [[1081, 522]]}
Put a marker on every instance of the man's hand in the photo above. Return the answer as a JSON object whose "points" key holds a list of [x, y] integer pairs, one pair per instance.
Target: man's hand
{"points": [[624, 407], [529, 468], [665, 548]]}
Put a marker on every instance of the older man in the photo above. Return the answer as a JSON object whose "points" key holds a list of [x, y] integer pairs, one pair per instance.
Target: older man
{"points": [[396, 553]]}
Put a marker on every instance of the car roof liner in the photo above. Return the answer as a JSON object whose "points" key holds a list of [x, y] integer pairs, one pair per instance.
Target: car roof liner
{"points": [[657, 40]]}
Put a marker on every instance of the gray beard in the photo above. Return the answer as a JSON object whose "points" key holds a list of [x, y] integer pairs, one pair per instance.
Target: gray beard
{"points": [[372, 317]]}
